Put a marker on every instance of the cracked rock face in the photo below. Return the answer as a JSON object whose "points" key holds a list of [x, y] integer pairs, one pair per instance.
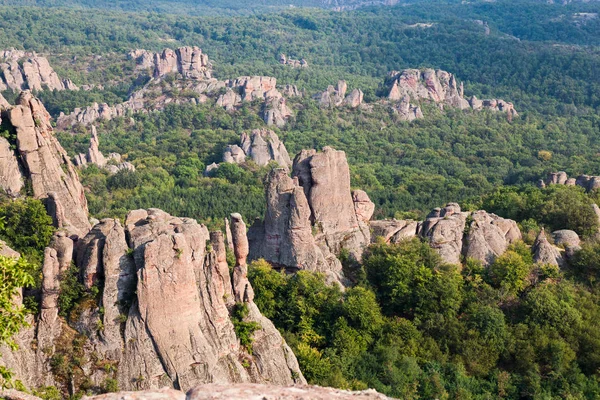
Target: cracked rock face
{"points": [[46, 164], [20, 70], [313, 216], [166, 301], [546, 253], [188, 61]]}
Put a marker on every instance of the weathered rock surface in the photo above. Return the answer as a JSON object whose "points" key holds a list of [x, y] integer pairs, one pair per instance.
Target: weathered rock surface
{"points": [[261, 146], [489, 236], [6, 251], [284, 60], [546, 253], [588, 182], [394, 231], [566, 238], [46, 164], [248, 391], [188, 61], [20, 70], [285, 238], [407, 111], [336, 96], [437, 86], [313, 216], [11, 179], [485, 237], [325, 178], [165, 301]]}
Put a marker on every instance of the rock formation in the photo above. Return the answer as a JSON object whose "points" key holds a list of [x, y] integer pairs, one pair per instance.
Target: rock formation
{"points": [[45, 164], [454, 234], [439, 87], [394, 231], [336, 96], [11, 178], [312, 217], [165, 302], [407, 111], [187, 61], [245, 391], [588, 182], [261, 146], [444, 229], [285, 238], [20, 70], [113, 163], [546, 253], [293, 63]]}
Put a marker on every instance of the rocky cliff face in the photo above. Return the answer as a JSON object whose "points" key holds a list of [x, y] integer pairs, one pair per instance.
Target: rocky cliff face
{"points": [[44, 163], [187, 61], [20, 70], [164, 310], [312, 217], [261, 146], [336, 96], [437, 86]]}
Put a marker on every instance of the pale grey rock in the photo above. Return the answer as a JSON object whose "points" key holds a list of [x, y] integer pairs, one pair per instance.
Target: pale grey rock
{"points": [[335, 96], [6, 251], [566, 238], [407, 111], [46, 163], [393, 231], [209, 168], [489, 236], [11, 179], [354, 99], [263, 146], [276, 112], [268, 392], [546, 253], [12, 394], [20, 70], [445, 232], [284, 60], [234, 154]]}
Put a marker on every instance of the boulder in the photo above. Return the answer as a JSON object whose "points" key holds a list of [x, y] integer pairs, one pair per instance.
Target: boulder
{"points": [[6, 251], [64, 250], [489, 236], [234, 154], [263, 146], [354, 99], [545, 253], [566, 238], [363, 206], [393, 231]]}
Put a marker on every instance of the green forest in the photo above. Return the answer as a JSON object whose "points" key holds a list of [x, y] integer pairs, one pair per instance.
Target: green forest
{"points": [[409, 326]]}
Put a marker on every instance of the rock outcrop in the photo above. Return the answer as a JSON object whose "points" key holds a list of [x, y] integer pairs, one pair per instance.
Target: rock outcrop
{"points": [[546, 253], [21, 70], [113, 163], [45, 164], [248, 391], [11, 178], [164, 309], [261, 146], [284, 60], [313, 216], [336, 96], [394, 231], [588, 182], [187, 61], [439, 87], [444, 229]]}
